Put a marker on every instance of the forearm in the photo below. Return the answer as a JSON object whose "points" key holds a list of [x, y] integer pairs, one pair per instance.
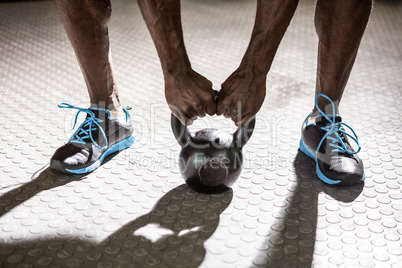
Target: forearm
{"points": [[163, 20], [272, 19]]}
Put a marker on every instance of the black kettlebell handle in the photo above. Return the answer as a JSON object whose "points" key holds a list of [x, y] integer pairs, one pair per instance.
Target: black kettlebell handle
{"points": [[240, 137], [243, 133]]}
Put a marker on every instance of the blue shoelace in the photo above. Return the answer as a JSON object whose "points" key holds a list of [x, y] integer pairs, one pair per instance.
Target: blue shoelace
{"points": [[90, 124], [335, 128]]}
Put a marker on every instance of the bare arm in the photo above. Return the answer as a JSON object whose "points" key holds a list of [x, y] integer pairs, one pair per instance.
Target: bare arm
{"points": [[188, 93], [243, 92]]}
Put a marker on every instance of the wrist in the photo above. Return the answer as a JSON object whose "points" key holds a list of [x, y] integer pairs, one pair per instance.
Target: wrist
{"points": [[254, 66], [252, 71], [176, 67]]}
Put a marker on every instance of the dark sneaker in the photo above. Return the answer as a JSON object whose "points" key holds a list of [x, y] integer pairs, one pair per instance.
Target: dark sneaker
{"points": [[326, 141], [100, 135]]}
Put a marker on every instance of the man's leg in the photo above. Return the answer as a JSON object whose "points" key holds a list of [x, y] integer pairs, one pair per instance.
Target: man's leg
{"points": [[340, 26], [107, 127], [86, 24], [325, 138]]}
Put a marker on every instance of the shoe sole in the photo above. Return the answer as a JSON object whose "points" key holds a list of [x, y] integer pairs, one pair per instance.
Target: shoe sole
{"points": [[307, 151], [121, 145]]}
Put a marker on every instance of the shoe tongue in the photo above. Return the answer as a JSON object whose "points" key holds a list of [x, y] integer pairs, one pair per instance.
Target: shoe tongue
{"points": [[321, 120], [98, 113], [102, 114]]}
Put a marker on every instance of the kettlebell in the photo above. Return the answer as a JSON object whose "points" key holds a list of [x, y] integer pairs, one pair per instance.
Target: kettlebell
{"points": [[211, 161]]}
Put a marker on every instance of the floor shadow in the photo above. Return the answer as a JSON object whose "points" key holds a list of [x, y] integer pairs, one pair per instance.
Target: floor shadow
{"points": [[172, 234], [43, 180], [292, 239]]}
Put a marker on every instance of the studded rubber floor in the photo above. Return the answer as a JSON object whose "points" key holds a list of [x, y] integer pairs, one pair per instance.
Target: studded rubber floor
{"points": [[135, 210]]}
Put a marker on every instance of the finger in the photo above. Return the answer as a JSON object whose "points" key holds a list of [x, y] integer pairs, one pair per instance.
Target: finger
{"points": [[244, 120], [221, 106], [189, 121], [210, 108], [239, 112], [232, 111], [200, 111], [190, 117], [228, 113], [220, 110], [236, 117], [185, 118]]}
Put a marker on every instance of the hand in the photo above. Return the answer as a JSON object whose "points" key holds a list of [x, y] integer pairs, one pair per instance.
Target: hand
{"points": [[241, 96], [189, 96]]}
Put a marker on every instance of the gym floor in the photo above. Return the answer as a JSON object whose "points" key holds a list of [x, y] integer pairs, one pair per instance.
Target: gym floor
{"points": [[135, 210]]}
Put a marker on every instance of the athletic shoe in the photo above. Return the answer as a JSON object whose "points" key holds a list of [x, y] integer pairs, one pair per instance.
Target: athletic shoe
{"points": [[101, 134], [326, 141]]}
